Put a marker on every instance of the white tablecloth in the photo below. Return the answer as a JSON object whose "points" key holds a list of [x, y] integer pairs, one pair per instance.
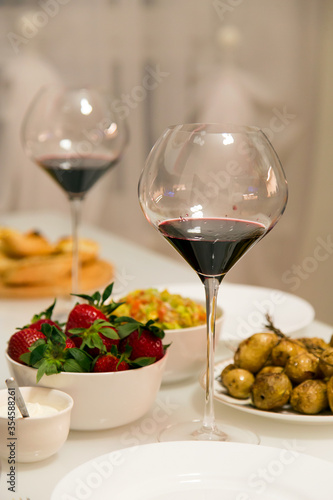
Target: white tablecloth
{"points": [[138, 268]]}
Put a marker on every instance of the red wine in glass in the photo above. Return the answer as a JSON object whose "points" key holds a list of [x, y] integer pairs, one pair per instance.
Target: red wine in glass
{"points": [[211, 245], [76, 174], [75, 135]]}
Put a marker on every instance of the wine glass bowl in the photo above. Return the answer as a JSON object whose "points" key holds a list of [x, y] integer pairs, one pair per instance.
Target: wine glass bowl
{"points": [[76, 136], [212, 191], [208, 171]]}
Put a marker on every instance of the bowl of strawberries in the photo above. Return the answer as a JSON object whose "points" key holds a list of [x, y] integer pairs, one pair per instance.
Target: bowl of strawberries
{"points": [[111, 366]]}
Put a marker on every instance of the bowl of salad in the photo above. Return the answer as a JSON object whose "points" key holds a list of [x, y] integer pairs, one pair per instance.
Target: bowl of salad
{"points": [[183, 320]]}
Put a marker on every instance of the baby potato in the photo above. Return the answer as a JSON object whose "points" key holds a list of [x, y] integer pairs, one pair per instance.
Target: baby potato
{"points": [[326, 362], [284, 350], [238, 383], [253, 353], [314, 344], [270, 369], [309, 397], [271, 391], [330, 393], [303, 366], [225, 370]]}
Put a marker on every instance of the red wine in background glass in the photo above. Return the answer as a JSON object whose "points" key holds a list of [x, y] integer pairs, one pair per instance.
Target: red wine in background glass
{"points": [[76, 174], [211, 245]]}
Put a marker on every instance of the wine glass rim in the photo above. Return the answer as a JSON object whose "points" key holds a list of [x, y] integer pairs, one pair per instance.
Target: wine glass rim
{"points": [[217, 128]]}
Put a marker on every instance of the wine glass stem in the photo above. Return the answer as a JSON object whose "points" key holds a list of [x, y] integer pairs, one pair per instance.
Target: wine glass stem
{"points": [[75, 204], [211, 290]]}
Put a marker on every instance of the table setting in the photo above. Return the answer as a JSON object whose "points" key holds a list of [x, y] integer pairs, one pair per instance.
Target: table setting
{"points": [[160, 423]]}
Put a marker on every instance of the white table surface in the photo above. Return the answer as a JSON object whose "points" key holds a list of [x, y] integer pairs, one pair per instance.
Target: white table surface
{"points": [[137, 267]]}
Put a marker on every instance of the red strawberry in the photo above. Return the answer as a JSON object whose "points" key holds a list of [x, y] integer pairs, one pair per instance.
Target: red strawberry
{"points": [[83, 316], [110, 363], [54, 354], [20, 342], [70, 343], [144, 344], [38, 324]]}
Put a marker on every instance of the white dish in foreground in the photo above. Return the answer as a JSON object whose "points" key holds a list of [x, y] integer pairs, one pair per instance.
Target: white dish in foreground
{"points": [[245, 308], [220, 394], [199, 471]]}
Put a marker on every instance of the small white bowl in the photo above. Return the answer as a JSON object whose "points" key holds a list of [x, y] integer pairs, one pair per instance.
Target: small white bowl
{"points": [[101, 400], [32, 439], [188, 350]]}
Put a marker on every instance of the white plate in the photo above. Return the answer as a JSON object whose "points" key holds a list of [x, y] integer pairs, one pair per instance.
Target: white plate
{"points": [[220, 394], [199, 471], [245, 308]]}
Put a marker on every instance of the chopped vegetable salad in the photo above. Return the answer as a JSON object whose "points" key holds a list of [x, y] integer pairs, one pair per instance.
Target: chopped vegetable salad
{"points": [[171, 311]]}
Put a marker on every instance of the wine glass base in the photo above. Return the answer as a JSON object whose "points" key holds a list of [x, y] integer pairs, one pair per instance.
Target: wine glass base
{"points": [[195, 431]]}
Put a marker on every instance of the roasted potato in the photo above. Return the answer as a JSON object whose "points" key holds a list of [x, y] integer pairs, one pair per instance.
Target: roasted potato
{"points": [[326, 362], [303, 366], [271, 391], [225, 370], [330, 393], [285, 349], [253, 353], [271, 369], [239, 382], [315, 345], [309, 397]]}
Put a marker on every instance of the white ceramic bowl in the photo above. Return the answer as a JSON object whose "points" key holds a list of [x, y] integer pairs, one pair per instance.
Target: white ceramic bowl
{"points": [[32, 439], [101, 400], [187, 352]]}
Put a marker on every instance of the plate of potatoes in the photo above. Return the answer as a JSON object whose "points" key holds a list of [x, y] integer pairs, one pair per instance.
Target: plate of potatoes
{"points": [[278, 377]]}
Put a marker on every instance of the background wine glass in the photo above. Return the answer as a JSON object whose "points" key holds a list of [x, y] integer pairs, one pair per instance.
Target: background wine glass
{"points": [[76, 136], [213, 191]]}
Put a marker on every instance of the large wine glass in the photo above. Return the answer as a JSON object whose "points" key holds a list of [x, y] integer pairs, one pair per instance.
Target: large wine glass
{"points": [[213, 191], [75, 135]]}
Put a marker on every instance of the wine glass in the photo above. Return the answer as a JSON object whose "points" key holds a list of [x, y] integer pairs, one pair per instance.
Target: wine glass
{"points": [[76, 136], [212, 191]]}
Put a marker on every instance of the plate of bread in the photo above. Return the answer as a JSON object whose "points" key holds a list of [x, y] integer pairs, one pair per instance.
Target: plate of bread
{"points": [[32, 266]]}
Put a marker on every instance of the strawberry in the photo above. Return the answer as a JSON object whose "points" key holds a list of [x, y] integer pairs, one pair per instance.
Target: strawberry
{"points": [[110, 363], [83, 316], [98, 302], [55, 353], [69, 343], [38, 324], [20, 342], [44, 317], [144, 344]]}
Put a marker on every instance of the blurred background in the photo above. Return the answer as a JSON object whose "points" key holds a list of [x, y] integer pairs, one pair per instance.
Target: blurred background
{"points": [[258, 62]]}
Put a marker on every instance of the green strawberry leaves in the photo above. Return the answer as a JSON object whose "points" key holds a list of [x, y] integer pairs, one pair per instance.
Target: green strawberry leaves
{"points": [[47, 314], [98, 300], [51, 356], [90, 336], [144, 361], [126, 325]]}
